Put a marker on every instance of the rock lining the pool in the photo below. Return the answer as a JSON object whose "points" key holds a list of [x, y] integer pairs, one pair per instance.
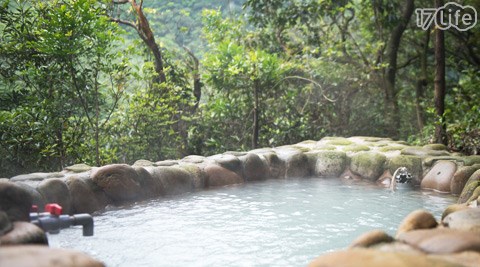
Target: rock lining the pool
{"points": [[84, 189]]}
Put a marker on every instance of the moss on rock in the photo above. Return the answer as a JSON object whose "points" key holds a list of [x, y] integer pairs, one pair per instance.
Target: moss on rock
{"points": [[422, 152], [369, 165], [355, 148], [78, 168], [388, 148], [471, 185], [339, 142], [412, 163], [435, 147], [330, 163]]}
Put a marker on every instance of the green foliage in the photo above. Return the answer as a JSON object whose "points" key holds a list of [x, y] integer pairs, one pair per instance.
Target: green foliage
{"points": [[58, 58], [71, 89], [463, 113]]}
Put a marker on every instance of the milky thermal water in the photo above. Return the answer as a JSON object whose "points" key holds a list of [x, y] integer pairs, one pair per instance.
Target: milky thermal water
{"points": [[270, 223]]}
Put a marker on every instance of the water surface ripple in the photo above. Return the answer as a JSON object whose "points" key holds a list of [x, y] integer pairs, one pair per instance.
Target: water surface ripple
{"points": [[271, 223]]}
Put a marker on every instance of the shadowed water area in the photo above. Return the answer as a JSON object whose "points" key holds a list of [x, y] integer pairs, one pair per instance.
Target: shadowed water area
{"points": [[270, 223]]}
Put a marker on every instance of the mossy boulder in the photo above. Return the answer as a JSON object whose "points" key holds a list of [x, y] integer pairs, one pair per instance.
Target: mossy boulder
{"points": [[471, 160], [198, 174], [330, 163], [389, 148], [339, 142], [165, 163], [435, 147], [355, 148], [78, 168], [430, 161], [412, 163], [368, 165], [325, 147], [470, 187], [461, 177], [422, 152], [142, 163]]}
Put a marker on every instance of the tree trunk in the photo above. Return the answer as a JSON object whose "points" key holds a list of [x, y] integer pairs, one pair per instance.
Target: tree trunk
{"points": [[392, 53], [197, 83], [422, 83], [145, 32], [256, 88], [439, 82]]}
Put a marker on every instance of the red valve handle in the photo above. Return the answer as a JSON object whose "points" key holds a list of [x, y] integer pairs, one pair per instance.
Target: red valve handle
{"points": [[53, 209], [34, 208]]}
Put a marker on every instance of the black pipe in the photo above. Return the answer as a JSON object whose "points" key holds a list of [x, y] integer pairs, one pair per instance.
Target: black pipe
{"points": [[86, 221], [53, 223]]}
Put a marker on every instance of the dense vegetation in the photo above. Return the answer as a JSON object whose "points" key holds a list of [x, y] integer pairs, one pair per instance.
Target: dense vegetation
{"points": [[99, 81]]}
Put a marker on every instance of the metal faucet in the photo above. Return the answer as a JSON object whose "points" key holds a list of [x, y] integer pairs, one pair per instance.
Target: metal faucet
{"points": [[52, 220]]}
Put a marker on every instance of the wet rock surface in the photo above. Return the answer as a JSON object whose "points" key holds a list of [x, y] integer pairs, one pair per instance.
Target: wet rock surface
{"points": [[41, 256], [420, 239]]}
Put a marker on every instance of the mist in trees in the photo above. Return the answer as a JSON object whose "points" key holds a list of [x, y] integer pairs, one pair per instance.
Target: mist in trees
{"points": [[100, 81]]}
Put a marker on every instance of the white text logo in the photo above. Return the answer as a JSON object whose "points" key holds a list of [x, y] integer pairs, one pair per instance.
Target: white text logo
{"points": [[450, 15]]}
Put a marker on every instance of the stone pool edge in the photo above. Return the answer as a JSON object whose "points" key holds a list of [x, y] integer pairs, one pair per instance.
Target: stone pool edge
{"points": [[84, 189]]}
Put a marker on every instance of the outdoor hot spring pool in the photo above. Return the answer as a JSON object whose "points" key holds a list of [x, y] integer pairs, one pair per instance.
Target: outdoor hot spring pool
{"points": [[270, 223]]}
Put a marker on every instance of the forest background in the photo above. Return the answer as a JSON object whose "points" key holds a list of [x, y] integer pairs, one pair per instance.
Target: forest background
{"points": [[98, 82]]}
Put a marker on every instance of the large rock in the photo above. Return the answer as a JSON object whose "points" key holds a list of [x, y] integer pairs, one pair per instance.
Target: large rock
{"points": [[197, 173], [151, 187], [371, 238], [461, 177], [228, 161], [441, 240], [330, 163], [359, 257], [175, 180], [77, 168], [423, 152], [23, 233], [37, 198], [42, 256], [37, 176], [369, 165], [15, 202], [219, 176], [56, 191], [467, 220], [5, 223], [453, 208], [296, 162], [118, 181], [471, 185], [419, 219], [277, 167], [254, 168], [412, 163], [440, 176], [83, 198]]}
